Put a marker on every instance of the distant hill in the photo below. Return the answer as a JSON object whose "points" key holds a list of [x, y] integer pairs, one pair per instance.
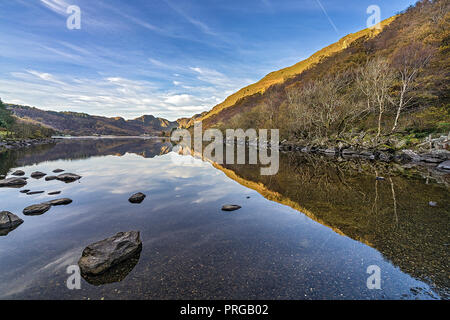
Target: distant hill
{"points": [[79, 124]]}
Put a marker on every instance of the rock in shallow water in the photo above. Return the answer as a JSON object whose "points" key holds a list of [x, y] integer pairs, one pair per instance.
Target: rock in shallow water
{"points": [[9, 220], [54, 193], [35, 192], [38, 175], [12, 183], [99, 257], [231, 207], [18, 173], [36, 209], [137, 198], [50, 178], [60, 202], [58, 171], [68, 177]]}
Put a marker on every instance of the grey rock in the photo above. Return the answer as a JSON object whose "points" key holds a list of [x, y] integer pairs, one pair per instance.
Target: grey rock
{"points": [[432, 160], [50, 178], [25, 191], [36, 209], [444, 165], [12, 183], [54, 193], [231, 207], [58, 171], [18, 173], [137, 198], [38, 175], [34, 192], [348, 152], [60, 202], [99, 257], [68, 177], [411, 156], [9, 220]]}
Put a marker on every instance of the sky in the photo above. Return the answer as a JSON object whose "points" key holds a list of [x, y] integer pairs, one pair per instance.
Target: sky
{"points": [[168, 58]]}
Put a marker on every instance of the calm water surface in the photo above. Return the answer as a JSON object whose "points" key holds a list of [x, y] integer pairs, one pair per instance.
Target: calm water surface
{"points": [[309, 232]]}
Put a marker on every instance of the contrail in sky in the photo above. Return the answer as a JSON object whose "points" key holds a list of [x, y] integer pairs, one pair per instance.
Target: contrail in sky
{"points": [[329, 19]]}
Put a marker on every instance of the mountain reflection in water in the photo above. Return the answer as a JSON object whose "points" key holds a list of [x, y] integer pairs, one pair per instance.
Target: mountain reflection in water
{"points": [[262, 251]]}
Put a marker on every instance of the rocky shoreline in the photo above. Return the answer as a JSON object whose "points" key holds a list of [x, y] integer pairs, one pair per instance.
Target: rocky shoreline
{"points": [[440, 158], [25, 143]]}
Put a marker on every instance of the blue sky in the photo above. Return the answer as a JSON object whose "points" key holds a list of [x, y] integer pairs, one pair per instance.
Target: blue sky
{"points": [[169, 58]]}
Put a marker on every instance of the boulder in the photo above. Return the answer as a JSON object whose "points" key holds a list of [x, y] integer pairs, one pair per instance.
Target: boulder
{"points": [[444, 165], [38, 175], [68, 177], [60, 202], [101, 256], [50, 178], [137, 198], [12, 183], [9, 220], [36, 209], [18, 173], [231, 207]]}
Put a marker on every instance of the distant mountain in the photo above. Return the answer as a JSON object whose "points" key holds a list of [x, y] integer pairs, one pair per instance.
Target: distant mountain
{"points": [[79, 124]]}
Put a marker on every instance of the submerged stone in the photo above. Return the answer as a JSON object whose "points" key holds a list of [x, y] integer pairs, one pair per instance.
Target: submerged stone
{"points": [[101, 256]]}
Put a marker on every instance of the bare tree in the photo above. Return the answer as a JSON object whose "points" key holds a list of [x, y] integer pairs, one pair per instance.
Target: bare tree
{"points": [[408, 62], [375, 80]]}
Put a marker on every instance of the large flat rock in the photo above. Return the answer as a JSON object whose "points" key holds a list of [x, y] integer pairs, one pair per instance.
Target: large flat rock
{"points": [[12, 183], [36, 209], [99, 257]]}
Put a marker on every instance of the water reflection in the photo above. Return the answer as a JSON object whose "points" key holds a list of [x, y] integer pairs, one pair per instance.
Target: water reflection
{"points": [[270, 250], [117, 273]]}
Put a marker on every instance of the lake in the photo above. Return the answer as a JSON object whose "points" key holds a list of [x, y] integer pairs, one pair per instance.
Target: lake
{"points": [[309, 232]]}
